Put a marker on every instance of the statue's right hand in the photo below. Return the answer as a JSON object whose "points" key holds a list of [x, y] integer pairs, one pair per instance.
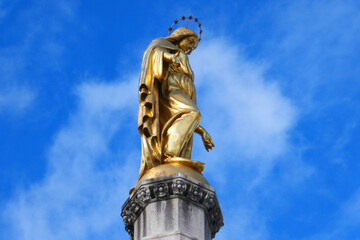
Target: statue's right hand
{"points": [[208, 143]]}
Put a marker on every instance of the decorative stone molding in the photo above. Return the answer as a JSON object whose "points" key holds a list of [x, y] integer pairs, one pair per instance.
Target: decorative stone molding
{"points": [[174, 186]]}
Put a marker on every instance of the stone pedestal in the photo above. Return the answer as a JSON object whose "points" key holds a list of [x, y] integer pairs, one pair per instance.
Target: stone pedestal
{"points": [[174, 207]]}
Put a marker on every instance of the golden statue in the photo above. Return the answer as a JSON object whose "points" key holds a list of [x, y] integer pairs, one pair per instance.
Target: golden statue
{"points": [[168, 115]]}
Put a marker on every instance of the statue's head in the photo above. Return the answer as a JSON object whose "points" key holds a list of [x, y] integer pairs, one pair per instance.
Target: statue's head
{"points": [[185, 38]]}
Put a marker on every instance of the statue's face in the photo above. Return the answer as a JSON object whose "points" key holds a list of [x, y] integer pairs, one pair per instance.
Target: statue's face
{"points": [[188, 44]]}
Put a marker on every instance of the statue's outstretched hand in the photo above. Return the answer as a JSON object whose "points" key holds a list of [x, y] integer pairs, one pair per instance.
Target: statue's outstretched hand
{"points": [[208, 143]]}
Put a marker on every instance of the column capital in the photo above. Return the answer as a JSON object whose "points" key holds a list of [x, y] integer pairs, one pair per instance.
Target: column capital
{"points": [[171, 187]]}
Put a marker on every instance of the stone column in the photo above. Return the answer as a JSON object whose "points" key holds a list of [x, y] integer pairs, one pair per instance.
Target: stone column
{"points": [[174, 207]]}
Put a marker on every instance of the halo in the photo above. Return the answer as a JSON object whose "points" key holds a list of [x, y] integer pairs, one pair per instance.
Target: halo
{"points": [[184, 18]]}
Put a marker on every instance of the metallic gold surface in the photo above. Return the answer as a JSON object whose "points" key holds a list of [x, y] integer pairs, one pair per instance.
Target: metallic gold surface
{"points": [[169, 169], [168, 114], [196, 165]]}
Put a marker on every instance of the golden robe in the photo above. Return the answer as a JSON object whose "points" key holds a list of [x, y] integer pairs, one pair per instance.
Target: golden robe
{"points": [[168, 115]]}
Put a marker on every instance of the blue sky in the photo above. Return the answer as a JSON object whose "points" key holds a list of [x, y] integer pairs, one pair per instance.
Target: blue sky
{"points": [[278, 88]]}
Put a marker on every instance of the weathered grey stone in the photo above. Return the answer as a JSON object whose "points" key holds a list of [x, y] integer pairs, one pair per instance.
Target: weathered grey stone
{"points": [[175, 207], [172, 219]]}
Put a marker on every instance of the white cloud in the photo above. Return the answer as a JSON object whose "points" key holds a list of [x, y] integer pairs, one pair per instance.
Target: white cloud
{"points": [[243, 223], [314, 44], [86, 183], [88, 179], [16, 100], [16, 59], [247, 115], [249, 119]]}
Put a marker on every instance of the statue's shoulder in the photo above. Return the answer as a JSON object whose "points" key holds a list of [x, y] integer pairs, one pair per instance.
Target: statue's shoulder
{"points": [[162, 42]]}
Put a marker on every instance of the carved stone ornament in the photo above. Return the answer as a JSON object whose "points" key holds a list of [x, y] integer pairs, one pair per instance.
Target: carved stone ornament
{"points": [[174, 186]]}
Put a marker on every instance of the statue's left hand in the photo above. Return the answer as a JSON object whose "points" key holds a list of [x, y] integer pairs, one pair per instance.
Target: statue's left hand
{"points": [[208, 143]]}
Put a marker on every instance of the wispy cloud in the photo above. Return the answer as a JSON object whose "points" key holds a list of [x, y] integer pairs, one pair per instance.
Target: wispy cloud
{"points": [[345, 223], [16, 100], [247, 114], [94, 158], [350, 212], [3, 9], [34, 49], [314, 45], [86, 183], [250, 121], [89, 172]]}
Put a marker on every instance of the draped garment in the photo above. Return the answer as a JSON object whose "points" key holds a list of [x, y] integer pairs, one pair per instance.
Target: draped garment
{"points": [[168, 114]]}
